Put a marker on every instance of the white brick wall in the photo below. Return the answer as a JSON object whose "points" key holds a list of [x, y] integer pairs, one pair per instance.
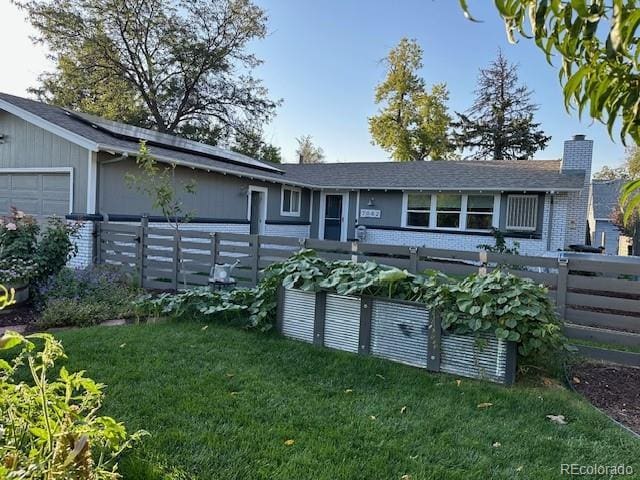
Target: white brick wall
{"points": [[207, 227], [297, 231], [84, 242], [577, 156]]}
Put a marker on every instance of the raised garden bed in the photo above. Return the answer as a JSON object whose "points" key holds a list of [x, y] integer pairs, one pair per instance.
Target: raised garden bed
{"points": [[400, 331]]}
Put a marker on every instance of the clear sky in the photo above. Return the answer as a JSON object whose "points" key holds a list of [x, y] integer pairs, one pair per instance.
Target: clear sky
{"points": [[323, 58]]}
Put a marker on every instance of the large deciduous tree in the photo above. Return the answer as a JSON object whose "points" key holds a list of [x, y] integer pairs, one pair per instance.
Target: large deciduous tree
{"points": [[499, 125], [254, 145], [181, 65], [412, 123]]}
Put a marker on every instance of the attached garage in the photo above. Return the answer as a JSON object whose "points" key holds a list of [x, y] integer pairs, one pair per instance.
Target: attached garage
{"points": [[38, 193]]}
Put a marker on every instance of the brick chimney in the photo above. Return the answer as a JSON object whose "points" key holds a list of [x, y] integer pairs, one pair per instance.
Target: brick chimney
{"points": [[577, 157]]}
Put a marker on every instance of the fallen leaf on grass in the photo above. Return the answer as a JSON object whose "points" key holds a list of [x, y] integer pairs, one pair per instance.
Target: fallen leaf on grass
{"points": [[229, 375], [405, 477], [519, 469], [123, 345], [496, 445], [348, 390], [458, 382], [289, 442], [576, 380], [559, 419], [403, 409], [413, 457], [205, 327], [485, 405], [380, 376], [234, 393], [372, 417]]}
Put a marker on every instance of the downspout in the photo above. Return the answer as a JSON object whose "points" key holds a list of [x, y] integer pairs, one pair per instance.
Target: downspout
{"points": [[550, 226]]}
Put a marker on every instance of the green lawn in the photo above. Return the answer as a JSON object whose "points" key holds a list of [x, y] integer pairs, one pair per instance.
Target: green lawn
{"points": [[220, 403]]}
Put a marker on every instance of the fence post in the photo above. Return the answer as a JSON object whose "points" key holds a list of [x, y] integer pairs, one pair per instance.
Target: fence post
{"points": [[561, 292], [318, 321], [354, 251], [433, 345], [255, 251], [484, 260], [142, 233], [214, 250], [364, 345], [176, 260], [413, 260]]}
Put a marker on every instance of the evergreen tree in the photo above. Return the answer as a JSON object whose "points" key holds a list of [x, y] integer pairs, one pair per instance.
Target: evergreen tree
{"points": [[252, 144], [413, 123], [499, 125]]}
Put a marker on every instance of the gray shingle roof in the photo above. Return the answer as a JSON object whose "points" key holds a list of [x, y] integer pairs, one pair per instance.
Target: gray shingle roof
{"points": [[604, 196], [534, 175], [444, 175]]}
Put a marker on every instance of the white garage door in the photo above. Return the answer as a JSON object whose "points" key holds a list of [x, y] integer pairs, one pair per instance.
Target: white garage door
{"points": [[38, 194]]}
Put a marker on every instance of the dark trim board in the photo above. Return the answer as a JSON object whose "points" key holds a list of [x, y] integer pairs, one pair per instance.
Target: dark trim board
{"points": [[287, 222], [115, 217], [530, 236]]}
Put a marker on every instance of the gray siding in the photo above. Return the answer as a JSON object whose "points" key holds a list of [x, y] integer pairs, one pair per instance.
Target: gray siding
{"points": [[611, 237], [28, 146], [389, 204], [217, 196]]}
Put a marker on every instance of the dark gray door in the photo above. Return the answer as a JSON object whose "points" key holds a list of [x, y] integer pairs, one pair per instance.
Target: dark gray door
{"points": [[256, 220], [333, 217]]}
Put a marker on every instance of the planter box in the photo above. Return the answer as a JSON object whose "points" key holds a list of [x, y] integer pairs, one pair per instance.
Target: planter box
{"points": [[404, 332]]}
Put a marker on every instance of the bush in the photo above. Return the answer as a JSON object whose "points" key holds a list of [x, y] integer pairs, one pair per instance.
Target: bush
{"points": [[50, 428], [85, 297]]}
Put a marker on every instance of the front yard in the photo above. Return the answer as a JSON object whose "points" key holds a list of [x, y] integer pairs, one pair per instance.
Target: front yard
{"points": [[223, 403]]}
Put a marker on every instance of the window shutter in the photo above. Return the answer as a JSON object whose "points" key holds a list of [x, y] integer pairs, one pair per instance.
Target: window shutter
{"points": [[522, 212]]}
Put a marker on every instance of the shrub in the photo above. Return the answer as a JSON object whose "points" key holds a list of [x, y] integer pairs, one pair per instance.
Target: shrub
{"points": [[55, 247], [81, 297], [50, 428]]}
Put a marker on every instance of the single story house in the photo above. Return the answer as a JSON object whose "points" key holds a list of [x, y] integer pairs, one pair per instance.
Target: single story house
{"points": [[54, 161], [604, 197]]}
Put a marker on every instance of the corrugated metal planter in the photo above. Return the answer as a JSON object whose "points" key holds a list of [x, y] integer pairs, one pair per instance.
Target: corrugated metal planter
{"points": [[404, 332]]}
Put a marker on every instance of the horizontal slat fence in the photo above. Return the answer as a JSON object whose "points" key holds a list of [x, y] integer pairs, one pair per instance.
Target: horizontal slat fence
{"points": [[599, 299]]}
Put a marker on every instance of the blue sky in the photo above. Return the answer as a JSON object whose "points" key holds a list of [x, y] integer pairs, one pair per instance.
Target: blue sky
{"points": [[323, 58]]}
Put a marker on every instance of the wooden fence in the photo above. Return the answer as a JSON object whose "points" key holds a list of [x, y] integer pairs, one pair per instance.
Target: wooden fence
{"points": [[599, 299]]}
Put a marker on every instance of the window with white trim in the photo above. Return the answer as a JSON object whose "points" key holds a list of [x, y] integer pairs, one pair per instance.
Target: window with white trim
{"points": [[522, 212], [448, 210], [480, 212], [418, 210], [290, 202]]}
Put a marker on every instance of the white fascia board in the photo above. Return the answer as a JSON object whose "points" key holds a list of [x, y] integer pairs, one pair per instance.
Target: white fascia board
{"points": [[48, 126]]}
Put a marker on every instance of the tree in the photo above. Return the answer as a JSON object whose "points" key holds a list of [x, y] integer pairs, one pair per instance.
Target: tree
{"points": [[307, 152], [499, 125], [412, 123], [608, 173], [253, 145], [598, 47], [184, 62]]}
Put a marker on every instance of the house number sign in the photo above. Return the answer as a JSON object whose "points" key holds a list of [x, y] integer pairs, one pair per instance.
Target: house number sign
{"points": [[369, 213]]}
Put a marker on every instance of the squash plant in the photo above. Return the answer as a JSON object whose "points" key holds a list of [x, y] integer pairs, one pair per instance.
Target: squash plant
{"points": [[513, 308]]}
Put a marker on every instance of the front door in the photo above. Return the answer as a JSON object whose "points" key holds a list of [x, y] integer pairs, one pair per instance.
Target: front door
{"points": [[256, 209], [333, 217]]}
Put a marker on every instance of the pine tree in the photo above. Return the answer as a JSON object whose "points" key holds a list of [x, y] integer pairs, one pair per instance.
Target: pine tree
{"points": [[413, 123], [499, 125]]}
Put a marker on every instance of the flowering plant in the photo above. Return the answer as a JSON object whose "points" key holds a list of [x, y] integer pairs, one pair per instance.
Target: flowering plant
{"points": [[16, 270], [18, 235]]}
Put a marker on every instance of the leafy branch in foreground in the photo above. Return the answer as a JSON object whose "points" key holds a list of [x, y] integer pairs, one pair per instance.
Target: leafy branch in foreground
{"points": [[598, 44]]}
